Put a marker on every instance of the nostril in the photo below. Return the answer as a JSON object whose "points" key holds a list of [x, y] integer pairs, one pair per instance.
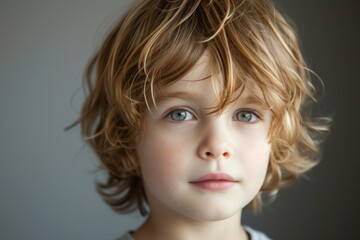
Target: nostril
{"points": [[209, 154]]}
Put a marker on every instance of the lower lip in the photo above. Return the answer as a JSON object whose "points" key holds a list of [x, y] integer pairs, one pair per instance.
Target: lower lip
{"points": [[215, 185]]}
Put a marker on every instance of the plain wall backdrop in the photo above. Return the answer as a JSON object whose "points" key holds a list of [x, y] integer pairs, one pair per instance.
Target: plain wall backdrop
{"points": [[47, 175]]}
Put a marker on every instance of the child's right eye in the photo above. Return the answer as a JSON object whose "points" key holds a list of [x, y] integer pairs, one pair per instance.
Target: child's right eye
{"points": [[180, 115]]}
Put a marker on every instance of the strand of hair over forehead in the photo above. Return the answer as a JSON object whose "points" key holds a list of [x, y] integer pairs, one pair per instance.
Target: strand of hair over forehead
{"points": [[218, 13], [229, 12], [156, 36]]}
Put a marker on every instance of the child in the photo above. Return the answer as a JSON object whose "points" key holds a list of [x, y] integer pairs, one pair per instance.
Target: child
{"points": [[196, 112]]}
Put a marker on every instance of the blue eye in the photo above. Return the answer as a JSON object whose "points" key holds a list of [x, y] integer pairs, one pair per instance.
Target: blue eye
{"points": [[245, 116], [180, 115]]}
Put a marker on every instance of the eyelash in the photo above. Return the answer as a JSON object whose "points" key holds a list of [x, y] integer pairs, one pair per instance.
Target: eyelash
{"points": [[193, 117]]}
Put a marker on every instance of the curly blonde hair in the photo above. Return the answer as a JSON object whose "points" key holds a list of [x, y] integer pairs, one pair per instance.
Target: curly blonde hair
{"points": [[159, 41]]}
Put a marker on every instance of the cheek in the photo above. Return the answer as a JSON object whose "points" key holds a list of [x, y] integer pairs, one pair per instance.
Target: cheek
{"points": [[254, 152], [256, 160], [162, 171], [253, 142], [160, 161]]}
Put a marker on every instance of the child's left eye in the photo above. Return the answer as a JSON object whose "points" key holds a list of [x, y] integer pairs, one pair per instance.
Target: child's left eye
{"points": [[245, 116]]}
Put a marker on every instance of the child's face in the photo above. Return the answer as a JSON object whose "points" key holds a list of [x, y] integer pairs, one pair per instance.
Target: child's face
{"points": [[183, 146]]}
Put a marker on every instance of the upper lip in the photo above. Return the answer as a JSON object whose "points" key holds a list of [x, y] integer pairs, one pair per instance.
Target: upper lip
{"points": [[215, 177]]}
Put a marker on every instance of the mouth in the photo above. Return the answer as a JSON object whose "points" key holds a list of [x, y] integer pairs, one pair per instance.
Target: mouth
{"points": [[215, 182]]}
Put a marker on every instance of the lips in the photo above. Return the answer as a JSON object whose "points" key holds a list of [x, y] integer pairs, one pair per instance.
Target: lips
{"points": [[215, 182]]}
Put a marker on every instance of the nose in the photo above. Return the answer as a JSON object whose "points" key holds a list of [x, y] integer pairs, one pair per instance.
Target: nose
{"points": [[215, 143]]}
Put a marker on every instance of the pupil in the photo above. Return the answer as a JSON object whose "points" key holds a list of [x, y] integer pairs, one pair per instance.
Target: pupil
{"points": [[179, 115], [245, 117]]}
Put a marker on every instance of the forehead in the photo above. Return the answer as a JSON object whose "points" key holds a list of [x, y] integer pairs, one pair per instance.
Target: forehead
{"points": [[204, 69], [204, 78]]}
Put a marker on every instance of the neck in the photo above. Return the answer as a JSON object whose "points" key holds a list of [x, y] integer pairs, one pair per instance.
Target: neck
{"points": [[170, 227]]}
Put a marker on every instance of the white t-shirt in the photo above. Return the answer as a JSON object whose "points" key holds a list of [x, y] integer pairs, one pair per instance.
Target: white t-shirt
{"points": [[254, 235]]}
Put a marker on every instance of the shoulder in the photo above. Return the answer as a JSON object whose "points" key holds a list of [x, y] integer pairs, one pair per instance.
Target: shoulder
{"points": [[126, 236], [256, 235]]}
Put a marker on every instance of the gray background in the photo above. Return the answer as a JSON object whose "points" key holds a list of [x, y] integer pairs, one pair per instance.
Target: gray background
{"points": [[47, 175]]}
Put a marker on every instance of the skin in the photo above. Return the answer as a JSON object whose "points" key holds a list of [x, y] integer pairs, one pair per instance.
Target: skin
{"points": [[182, 142]]}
